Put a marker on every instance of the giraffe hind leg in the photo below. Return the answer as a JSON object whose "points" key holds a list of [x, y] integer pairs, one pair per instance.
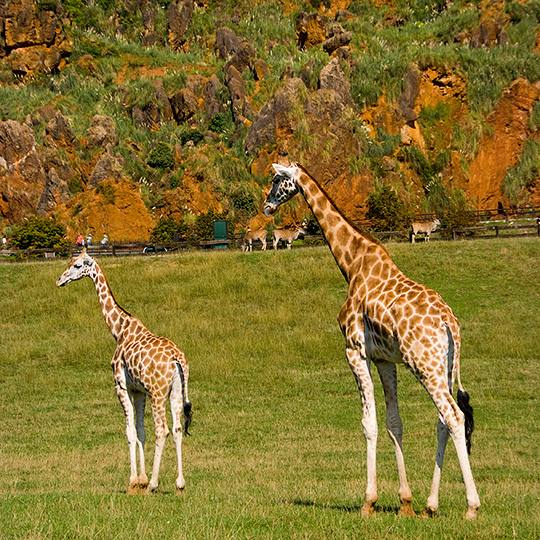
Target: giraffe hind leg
{"points": [[432, 503], [394, 426], [160, 422], [453, 420], [139, 401]]}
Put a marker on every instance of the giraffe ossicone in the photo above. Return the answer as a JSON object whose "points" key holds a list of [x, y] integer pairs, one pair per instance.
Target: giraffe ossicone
{"points": [[387, 319], [143, 365]]}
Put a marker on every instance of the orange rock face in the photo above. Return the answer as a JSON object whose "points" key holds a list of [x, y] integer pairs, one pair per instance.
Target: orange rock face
{"points": [[115, 209], [503, 147]]}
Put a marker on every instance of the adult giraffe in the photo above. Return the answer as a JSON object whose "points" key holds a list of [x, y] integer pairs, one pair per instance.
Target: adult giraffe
{"points": [[143, 364], [387, 319]]}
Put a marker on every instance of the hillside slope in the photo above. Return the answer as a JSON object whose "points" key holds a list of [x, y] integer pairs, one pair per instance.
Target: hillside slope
{"points": [[114, 115]]}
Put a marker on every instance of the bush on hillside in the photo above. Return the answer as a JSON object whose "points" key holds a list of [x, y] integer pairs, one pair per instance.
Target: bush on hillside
{"points": [[168, 230], [204, 224], [161, 157], [39, 233], [459, 214], [386, 211]]}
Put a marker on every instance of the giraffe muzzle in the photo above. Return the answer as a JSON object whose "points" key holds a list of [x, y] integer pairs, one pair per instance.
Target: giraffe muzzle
{"points": [[269, 210]]}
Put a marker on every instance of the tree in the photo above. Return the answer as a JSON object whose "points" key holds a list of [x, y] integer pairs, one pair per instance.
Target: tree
{"points": [[39, 233], [168, 230], [386, 211]]}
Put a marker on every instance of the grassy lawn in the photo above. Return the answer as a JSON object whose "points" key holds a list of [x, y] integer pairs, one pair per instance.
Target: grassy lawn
{"points": [[277, 449]]}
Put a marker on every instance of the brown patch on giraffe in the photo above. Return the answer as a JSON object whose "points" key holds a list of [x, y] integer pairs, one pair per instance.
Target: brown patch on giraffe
{"points": [[332, 219], [343, 234]]}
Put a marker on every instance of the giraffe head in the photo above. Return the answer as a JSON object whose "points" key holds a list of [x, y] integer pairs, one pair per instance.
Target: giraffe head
{"points": [[80, 267], [284, 187]]}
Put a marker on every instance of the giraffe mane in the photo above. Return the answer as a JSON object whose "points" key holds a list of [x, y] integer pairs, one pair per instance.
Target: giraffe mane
{"points": [[360, 231]]}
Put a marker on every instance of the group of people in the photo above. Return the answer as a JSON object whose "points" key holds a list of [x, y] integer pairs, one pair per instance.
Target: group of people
{"points": [[81, 241]]}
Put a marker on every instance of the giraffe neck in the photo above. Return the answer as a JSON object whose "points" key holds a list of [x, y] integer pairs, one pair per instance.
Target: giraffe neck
{"points": [[346, 242], [116, 318]]}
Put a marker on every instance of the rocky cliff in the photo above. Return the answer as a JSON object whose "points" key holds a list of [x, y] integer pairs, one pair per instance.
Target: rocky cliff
{"points": [[109, 138]]}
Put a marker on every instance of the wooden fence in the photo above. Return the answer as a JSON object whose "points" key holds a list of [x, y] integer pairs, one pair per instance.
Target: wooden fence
{"points": [[144, 249]]}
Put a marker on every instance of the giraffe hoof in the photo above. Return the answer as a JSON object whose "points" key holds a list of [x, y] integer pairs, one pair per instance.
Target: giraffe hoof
{"points": [[406, 509], [368, 509], [133, 490], [428, 513]]}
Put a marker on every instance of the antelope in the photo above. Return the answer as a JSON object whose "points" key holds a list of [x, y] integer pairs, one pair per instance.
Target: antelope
{"points": [[247, 242], [426, 227], [288, 235]]}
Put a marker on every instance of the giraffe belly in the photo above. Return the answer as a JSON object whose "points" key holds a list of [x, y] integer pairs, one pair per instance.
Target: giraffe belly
{"points": [[133, 383], [382, 347]]}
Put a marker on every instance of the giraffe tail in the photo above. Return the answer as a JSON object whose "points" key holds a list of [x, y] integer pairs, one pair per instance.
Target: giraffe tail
{"points": [[466, 408], [186, 404], [462, 395]]}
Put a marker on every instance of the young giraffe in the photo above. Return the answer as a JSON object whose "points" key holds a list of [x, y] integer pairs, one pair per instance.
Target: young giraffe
{"points": [[387, 319], [143, 364]]}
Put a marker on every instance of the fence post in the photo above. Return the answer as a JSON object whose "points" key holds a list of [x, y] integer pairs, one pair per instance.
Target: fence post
{"points": [[114, 250], [496, 230]]}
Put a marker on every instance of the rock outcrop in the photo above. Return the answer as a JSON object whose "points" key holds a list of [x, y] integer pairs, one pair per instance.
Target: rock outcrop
{"points": [[22, 176], [34, 37], [102, 132], [179, 16]]}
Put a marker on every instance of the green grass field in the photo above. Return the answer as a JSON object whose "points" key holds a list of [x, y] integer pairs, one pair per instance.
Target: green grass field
{"points": [[277, 449]]}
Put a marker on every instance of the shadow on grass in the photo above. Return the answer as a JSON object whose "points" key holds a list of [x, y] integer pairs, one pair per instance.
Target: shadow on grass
{"points": [[343, 507]]}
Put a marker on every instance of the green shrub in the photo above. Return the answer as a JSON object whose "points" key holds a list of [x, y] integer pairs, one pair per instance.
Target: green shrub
{"points": [[168, 230], [534, 120], [419, 162], [312, 225], [243, 201], [386, 211], [220, 123], [437, 200], [204, 224], [193, 135], [459, 214], [161, 157], [39, 233], [432, 114], [46, 5]]}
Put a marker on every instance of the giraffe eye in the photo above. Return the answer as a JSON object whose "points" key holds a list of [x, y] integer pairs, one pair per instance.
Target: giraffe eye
{"points": [[78, 265]]}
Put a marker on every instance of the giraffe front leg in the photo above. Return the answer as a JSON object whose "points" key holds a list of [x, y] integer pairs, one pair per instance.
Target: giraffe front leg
{"points": [[176, 400], [360, 367], [394, 426], [160, 421], [131, 434]]}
